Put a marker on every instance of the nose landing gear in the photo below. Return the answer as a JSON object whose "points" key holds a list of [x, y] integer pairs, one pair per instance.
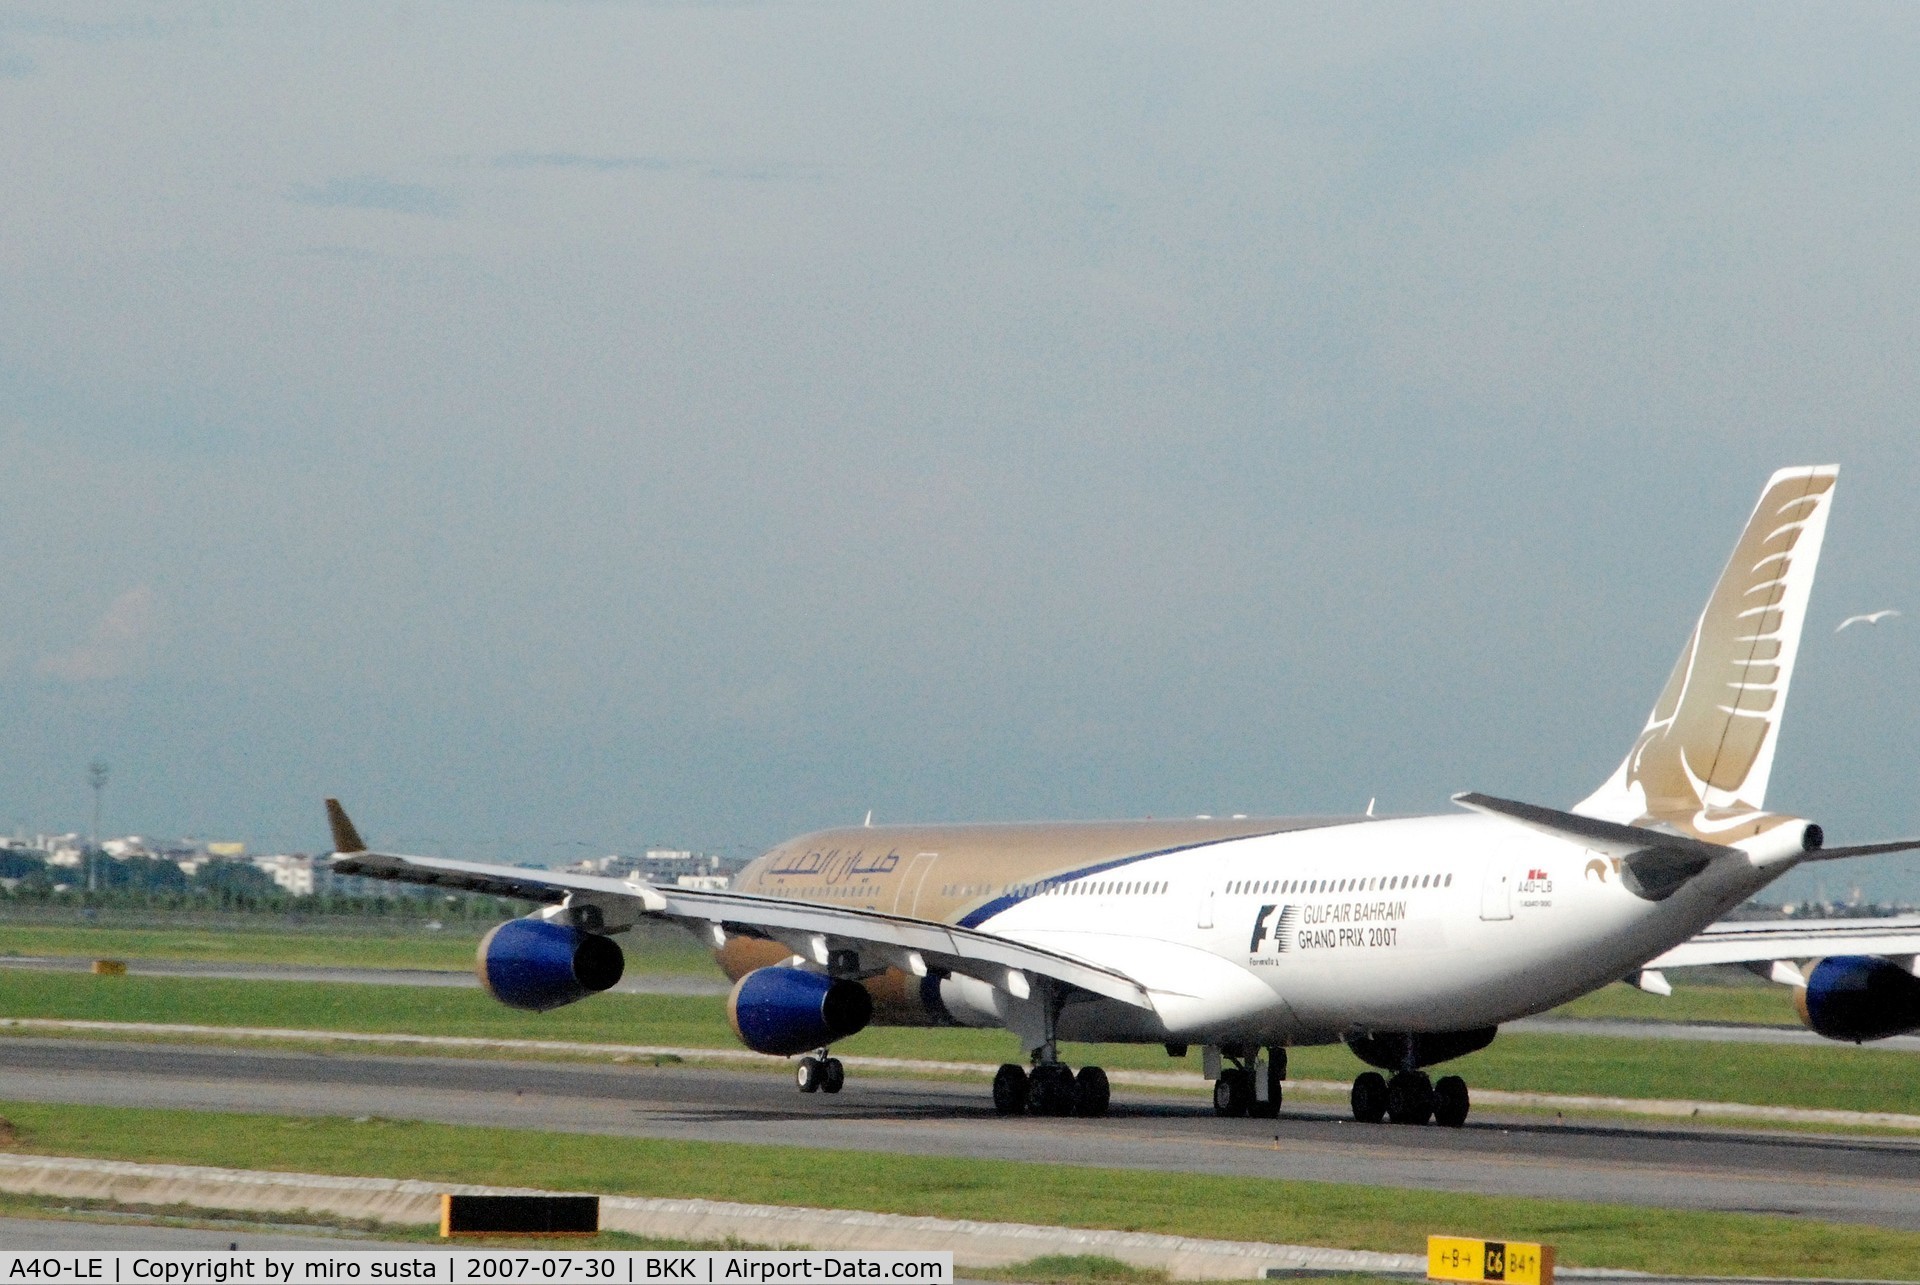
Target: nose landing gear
{"points": [[820, 1074]]}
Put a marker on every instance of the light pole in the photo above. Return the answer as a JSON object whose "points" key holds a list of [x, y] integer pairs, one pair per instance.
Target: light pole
{"points": [[97, 778]]}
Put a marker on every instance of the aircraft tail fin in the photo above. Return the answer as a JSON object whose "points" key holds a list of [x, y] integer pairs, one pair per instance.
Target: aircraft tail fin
{"points": [[1702, 763], [346, 839]]}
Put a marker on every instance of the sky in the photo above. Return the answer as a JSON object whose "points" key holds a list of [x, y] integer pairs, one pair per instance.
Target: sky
{"points": [[562, 428]]}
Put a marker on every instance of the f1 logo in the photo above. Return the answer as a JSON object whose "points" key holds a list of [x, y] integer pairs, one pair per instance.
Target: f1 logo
{"points": [[1259, 929]]}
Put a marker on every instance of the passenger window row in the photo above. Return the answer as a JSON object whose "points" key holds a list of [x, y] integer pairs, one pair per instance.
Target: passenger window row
{"points": [[1381, 883], [814, 894], [1087, 888]]}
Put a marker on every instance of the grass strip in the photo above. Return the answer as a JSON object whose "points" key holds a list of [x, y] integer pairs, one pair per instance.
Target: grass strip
{"points": [[307, 1223], [1229, 1208], [649, 949], [661, 948], [667, 949], [1834, 1076], [1750, 1003], [1094, 1269]]}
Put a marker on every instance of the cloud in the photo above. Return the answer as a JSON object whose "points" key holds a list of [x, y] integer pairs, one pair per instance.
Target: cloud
{"points": [[366, 193], [121, 639], [578, 161], [746, 171]]}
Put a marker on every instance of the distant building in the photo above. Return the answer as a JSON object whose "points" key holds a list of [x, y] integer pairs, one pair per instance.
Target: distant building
{"points": [[293, 873], [662, 865], [659, 865]]}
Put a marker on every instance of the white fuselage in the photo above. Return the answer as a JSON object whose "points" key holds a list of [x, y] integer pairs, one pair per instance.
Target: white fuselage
{"points": [[1441, 923]]}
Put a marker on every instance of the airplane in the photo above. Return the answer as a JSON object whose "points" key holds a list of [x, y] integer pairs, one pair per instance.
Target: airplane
{"points": [[1408, 939]]}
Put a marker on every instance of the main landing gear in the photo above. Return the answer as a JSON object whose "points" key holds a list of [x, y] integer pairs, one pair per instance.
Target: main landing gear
{"points": [[1251, 1086], [1051, 1088], [1410, 1098], [820, 1074]]}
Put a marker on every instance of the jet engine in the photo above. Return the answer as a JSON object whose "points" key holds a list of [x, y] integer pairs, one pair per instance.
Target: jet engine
{"points": [[536, 964], [1858, 998], [782, 1010]]}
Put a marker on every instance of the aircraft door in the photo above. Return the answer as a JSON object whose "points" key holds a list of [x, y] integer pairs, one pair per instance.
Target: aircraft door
{"points": [[1206, 910], [906, 894], [1496, 891]]}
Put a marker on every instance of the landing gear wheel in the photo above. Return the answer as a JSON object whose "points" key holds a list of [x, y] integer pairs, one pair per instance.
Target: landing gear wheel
{"points": [[1450, 1102], [1232, 1092], [807, 1075], [1050, 1090], [1091, 1093], [1010, 1090], [1369, 1097], [1409, 1098], [833, 1076]]}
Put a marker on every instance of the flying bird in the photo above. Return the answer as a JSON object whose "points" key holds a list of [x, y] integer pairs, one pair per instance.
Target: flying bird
{"points": [[1871, 618]]}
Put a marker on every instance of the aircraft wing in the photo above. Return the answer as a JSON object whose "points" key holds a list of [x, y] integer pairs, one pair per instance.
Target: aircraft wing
{"points": [[1767, 941], [812, 931]]}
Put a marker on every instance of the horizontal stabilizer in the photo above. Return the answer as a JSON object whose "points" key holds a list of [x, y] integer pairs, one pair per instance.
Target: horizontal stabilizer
{"points": [[1864, 850], [1653, 863], [1609, 837]]}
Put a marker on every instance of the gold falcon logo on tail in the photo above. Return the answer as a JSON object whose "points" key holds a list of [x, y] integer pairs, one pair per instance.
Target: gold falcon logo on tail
{"points": [[1701, 765]]}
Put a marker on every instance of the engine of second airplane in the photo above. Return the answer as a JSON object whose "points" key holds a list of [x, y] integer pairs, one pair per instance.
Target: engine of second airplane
{"points": [[783, 1010], [536, 964], [1859, 997]]}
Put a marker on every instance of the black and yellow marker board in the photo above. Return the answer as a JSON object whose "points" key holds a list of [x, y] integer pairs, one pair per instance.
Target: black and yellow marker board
{"points": [[1488, 1262], [519, 1215]]}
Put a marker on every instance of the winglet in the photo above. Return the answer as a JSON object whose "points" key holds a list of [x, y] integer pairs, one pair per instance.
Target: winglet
{"points": [[345, 837]]}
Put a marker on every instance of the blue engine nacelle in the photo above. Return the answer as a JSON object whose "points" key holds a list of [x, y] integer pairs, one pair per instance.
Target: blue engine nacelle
{"points": [[1860, 997], [536, 964], [783, 1011]]}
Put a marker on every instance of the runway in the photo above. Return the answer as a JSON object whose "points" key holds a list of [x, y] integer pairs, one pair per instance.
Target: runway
{"points": [[1833, 1178]]}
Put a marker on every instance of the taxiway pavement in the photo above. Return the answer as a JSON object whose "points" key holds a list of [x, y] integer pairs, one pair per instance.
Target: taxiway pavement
{"points": [[1829, 1177]]}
